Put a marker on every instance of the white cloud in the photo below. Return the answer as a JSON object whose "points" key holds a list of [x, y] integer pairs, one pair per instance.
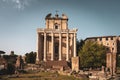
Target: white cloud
{"points": [[19, 4]]}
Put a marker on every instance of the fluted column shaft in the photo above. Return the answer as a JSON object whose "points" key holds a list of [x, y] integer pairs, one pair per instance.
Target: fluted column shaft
{"points": [[67, 47], [52, 51], [44, 46], [37, 48], [59, 46], [74, 44]]}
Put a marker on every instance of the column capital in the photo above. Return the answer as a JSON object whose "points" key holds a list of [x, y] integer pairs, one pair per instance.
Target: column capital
{"points": [[45, 34], [75, 34], [71, 35]]}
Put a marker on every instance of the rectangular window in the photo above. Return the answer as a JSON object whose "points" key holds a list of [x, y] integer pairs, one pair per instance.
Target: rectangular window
{"points": [[107, 49], [112, 49], [111, 38], [100, 39], [106, 38]]}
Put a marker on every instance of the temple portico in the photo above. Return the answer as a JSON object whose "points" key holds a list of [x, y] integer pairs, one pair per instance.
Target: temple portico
{"points": [[56, 45]]}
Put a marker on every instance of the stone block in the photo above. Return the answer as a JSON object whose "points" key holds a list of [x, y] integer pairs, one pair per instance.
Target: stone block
{"points": [[75, 64]]}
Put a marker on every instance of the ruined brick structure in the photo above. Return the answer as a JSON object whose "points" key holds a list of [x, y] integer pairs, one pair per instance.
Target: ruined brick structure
{"points": [[113, 44]]}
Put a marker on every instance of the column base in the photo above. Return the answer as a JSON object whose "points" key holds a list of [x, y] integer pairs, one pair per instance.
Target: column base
{"points": [[60, 59], [51, 59], [67, 60], [37, 62], [45, 60]]}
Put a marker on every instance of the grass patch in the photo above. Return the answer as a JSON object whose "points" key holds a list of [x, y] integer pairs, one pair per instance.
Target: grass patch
{"points": [[39, 76]]}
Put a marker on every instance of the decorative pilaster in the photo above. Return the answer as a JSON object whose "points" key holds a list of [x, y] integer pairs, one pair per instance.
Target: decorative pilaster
{"points": [[74, 44], [44, 47], [59, 46]]}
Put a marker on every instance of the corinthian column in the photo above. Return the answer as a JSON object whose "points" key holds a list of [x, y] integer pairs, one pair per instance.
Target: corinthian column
{"points": [[37, 48], [59, 46], [44, 47], [74, 44], [52, 51], [67, 47]]}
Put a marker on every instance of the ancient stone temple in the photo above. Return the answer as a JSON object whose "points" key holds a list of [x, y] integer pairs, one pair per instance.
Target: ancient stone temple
{"points": [[56, 42]]}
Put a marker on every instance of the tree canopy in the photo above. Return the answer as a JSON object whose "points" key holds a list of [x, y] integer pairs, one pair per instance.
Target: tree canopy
{"points": [[92, 55], [2, 52], [118, 60], [79, 45], [30, 57]]}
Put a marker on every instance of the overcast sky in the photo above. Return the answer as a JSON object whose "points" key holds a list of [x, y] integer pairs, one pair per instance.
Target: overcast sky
{"points": [[19, 20]]}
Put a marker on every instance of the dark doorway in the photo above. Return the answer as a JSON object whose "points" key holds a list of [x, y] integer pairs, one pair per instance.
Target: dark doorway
{"points": [[56, 55]]}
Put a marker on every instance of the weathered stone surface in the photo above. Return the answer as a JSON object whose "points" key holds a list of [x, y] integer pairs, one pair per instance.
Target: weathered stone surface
{"points": [[56, 42], [75, 63], [19, 63]]}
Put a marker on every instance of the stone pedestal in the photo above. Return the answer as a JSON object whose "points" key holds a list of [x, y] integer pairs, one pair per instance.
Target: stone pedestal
{"points": [[75, 64]]}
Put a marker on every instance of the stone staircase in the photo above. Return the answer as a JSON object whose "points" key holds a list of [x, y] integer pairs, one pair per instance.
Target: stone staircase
{"points": [[58, 65]]}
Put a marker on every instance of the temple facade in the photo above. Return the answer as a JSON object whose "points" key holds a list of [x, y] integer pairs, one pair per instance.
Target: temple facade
{"points": [[56, 42]]}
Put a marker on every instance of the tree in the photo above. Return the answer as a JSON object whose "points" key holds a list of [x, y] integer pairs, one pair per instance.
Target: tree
{"points": [[118, 60], [11, 60], [92, 55], [30, 57], [79, 44], [2, 52], [12, 53], [10, 68]]}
